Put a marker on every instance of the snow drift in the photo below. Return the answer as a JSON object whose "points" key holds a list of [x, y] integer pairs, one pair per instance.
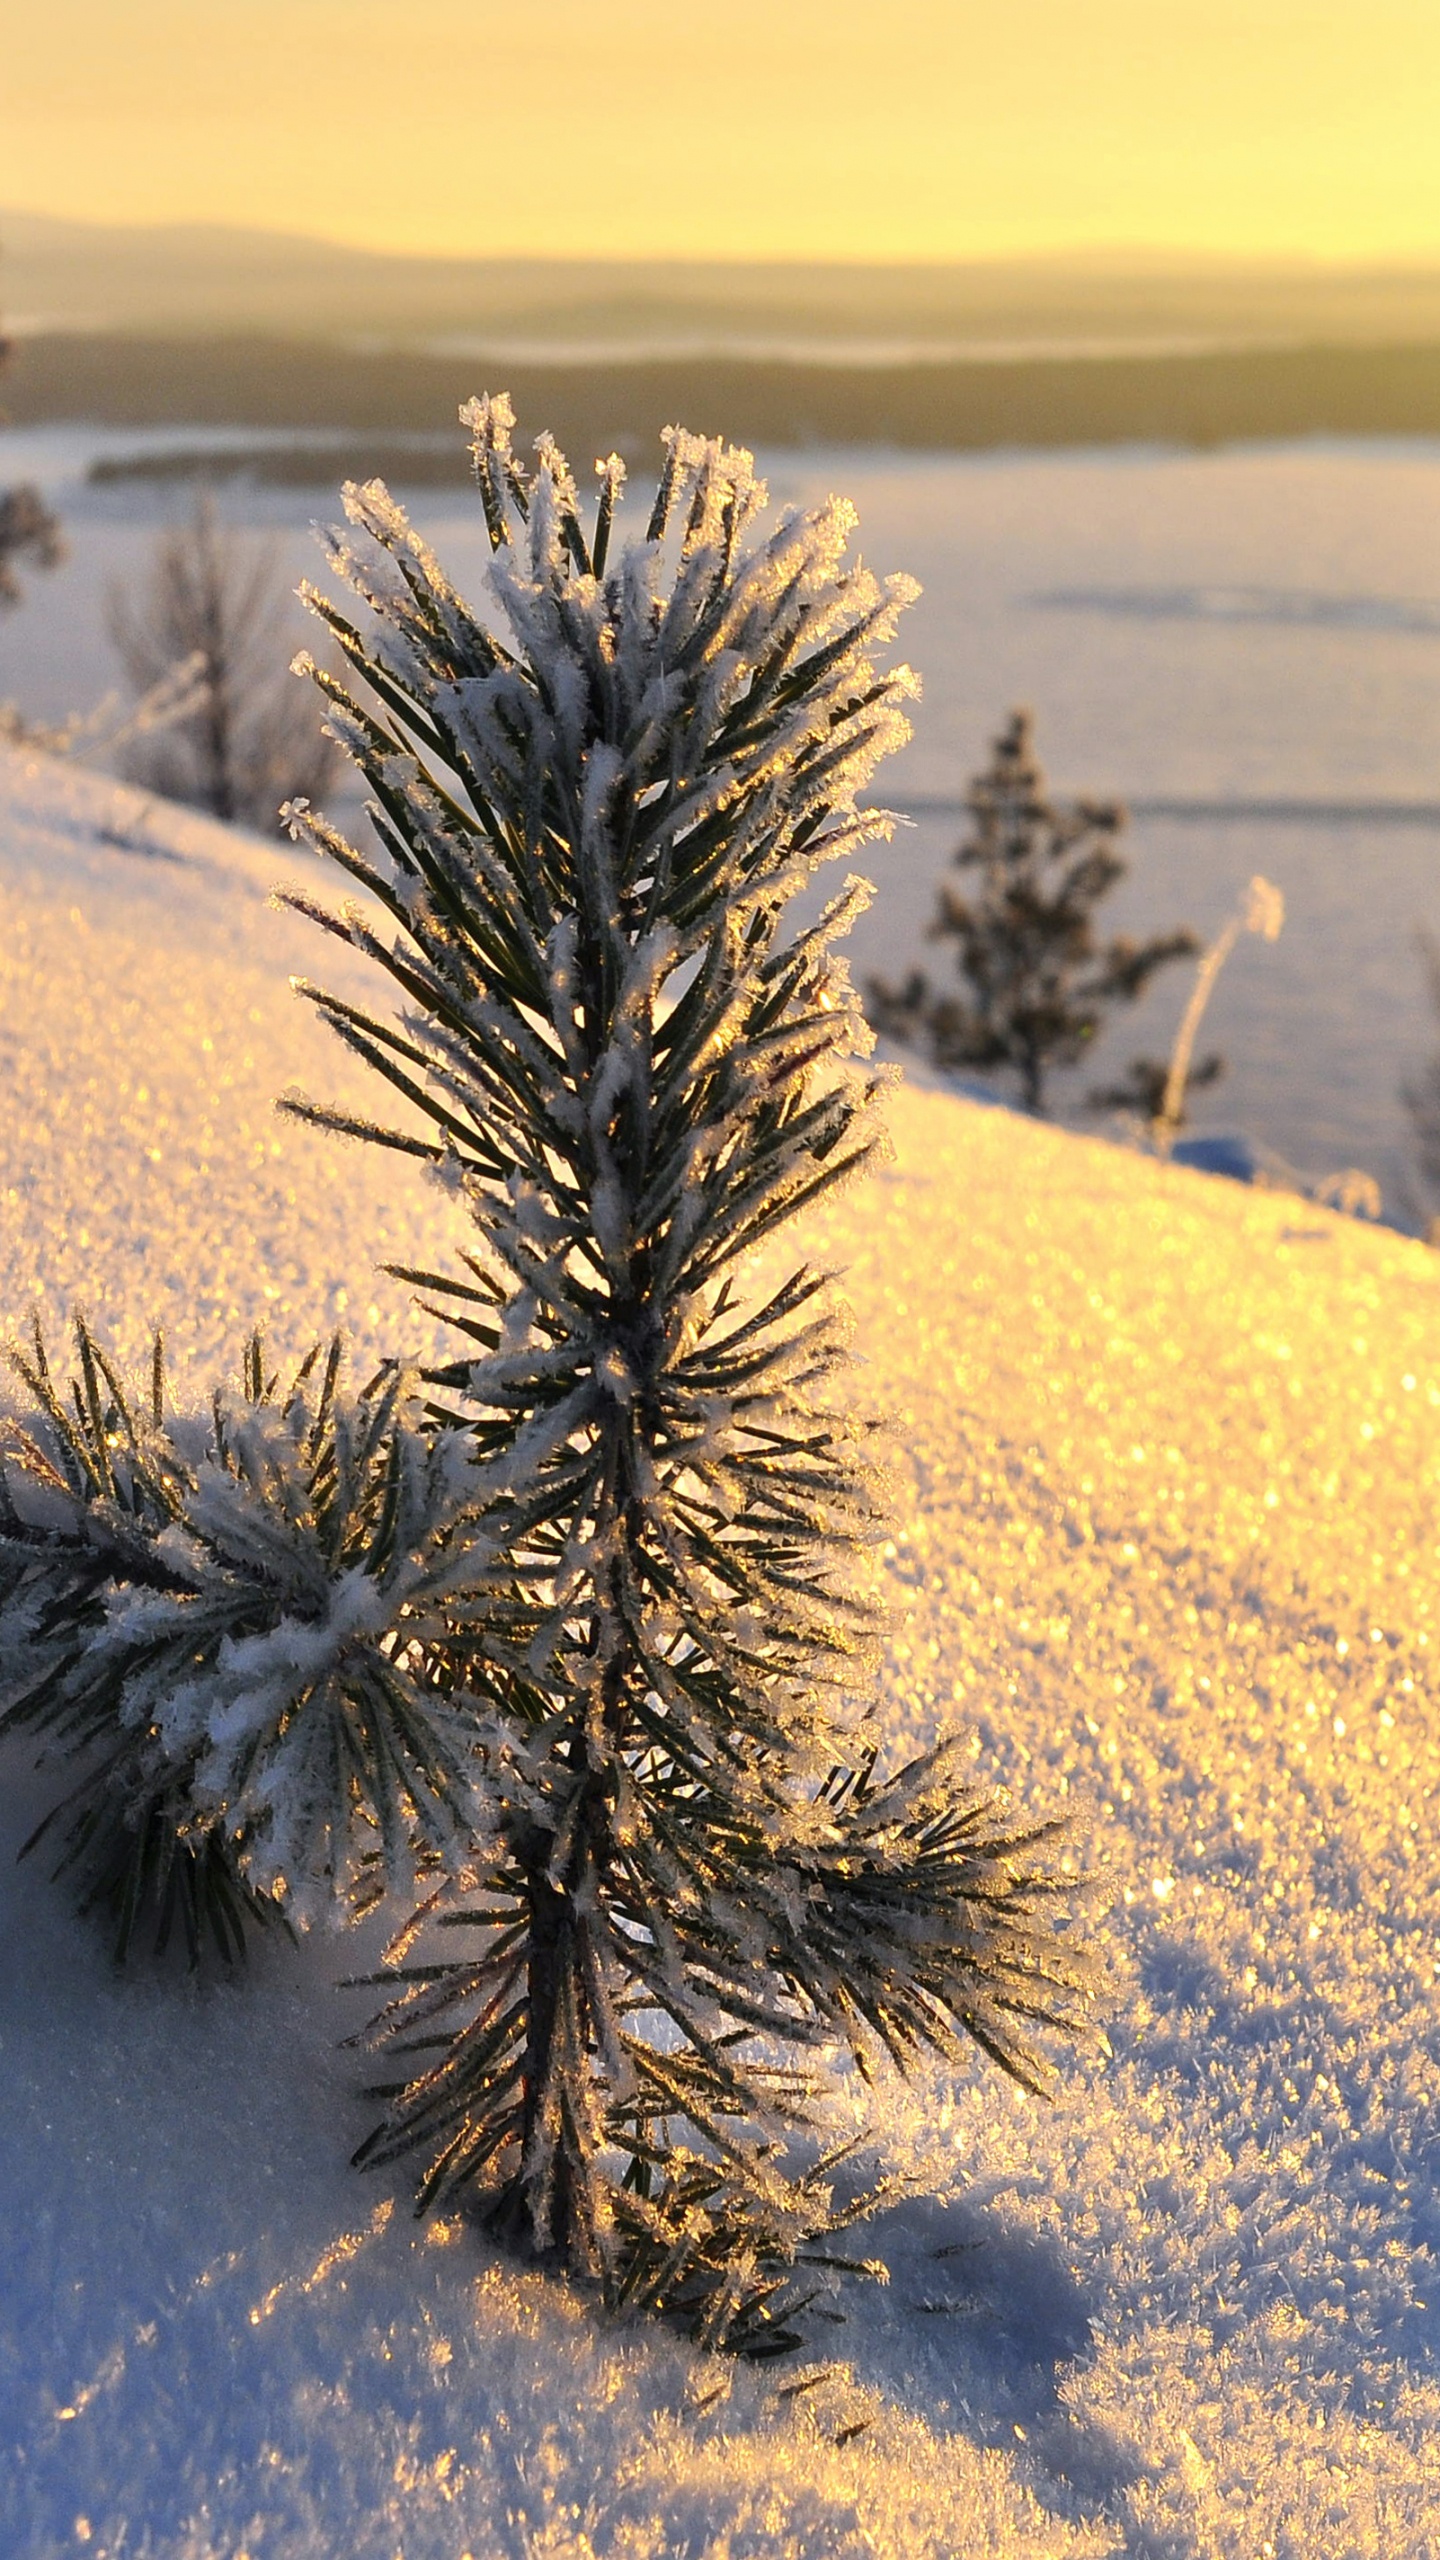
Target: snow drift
{"points": [[1168, 1458]]}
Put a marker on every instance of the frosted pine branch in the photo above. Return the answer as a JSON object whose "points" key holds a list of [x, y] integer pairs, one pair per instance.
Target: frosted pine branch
{"points": [[228, 1623]]}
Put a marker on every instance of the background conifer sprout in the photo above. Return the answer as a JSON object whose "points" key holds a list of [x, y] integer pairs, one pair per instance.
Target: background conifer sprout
{"points": [[1037, 983], [575, 1641]]}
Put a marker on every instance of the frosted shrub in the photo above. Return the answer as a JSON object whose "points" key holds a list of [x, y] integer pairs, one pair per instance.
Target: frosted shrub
{"points": [[216, 601], [1261, 910], [223, 1619], [625, 1636], [28, 530]]}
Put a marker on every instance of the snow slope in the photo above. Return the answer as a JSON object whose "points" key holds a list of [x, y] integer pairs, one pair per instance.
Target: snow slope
{"points": [[1167, 1464]]}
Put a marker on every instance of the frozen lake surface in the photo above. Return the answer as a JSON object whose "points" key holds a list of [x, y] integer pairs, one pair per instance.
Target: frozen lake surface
{"points": [[1244, 645]]}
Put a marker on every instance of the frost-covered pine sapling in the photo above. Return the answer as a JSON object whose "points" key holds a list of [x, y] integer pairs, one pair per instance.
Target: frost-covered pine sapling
{"points": [[224, 1626], [617, 1049], [1036, 981]]}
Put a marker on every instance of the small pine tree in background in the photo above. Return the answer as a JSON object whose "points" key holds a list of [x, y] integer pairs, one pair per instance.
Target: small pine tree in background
{"points": [[1037, 981], [623, 1637], [1141, 1091]]}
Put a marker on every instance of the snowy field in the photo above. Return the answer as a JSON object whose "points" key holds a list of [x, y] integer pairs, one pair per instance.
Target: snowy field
{"points": [[1166, 1546]]}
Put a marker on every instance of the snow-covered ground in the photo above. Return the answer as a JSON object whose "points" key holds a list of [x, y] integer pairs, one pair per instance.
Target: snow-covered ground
{"points": [[1168, 1505]]}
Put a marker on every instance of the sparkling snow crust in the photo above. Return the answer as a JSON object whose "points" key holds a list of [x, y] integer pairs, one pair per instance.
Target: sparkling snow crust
{"points": [[1166, 1491]]}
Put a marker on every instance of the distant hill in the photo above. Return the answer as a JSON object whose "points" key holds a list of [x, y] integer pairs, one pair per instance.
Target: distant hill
{"points": [[396, 411], [58, 275]]}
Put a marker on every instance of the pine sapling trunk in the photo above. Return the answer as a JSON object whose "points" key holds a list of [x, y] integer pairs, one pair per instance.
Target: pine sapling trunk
{"points": [[553, 1995]]}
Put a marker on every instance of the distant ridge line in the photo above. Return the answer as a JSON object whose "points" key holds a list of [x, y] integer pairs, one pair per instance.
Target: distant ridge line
{"points": [[1193, 402]]}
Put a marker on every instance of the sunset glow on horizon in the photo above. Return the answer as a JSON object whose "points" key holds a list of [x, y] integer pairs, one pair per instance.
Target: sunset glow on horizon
{"points": [[819, 129]]}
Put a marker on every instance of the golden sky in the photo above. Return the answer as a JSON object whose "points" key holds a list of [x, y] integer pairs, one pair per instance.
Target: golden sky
{"points": [[771, 128]]}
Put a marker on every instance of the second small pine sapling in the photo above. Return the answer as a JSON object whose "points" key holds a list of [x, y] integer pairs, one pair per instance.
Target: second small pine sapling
{"points": [[1036, 981], [617, 1050], [223, 1627]]}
